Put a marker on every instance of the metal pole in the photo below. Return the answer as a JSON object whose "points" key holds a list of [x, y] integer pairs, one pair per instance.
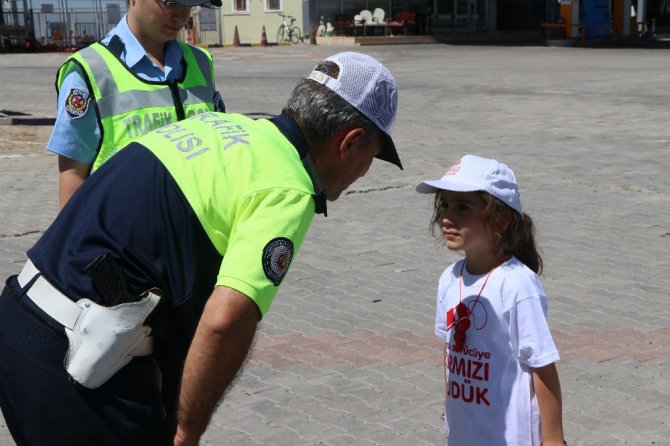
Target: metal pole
{"points": [[641, 11], [64, 19], [15, 13], [103, 20], [44, 32], [96, 30], [25, 18], [219, 25], [68, 15], [99, 19], [61, 6]]}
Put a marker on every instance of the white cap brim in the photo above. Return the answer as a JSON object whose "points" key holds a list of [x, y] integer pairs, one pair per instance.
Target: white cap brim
{"points": [[431, 186]]}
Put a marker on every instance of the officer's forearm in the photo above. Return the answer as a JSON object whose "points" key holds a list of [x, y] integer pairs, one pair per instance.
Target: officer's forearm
{"points": [[219, 348]]}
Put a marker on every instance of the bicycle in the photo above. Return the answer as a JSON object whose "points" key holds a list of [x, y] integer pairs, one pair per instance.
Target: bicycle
{"points": [[288, 32]]}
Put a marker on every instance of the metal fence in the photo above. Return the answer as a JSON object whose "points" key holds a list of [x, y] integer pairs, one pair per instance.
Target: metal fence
{"points": [[57, 29]]}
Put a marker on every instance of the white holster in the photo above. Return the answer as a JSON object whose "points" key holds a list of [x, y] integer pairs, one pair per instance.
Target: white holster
{"points": [[104, 339]]}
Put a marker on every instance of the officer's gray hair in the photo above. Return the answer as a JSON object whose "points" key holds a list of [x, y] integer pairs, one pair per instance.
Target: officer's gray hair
{"points": [[320, 112]]}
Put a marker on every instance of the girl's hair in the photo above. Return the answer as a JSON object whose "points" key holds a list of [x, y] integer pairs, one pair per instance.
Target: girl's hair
{"points": [[517, 239]]}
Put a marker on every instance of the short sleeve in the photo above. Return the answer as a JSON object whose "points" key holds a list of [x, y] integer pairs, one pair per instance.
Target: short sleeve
{"points": [[76, 133], [442, 303], [440, 320], [536, 346], [267, 232]]}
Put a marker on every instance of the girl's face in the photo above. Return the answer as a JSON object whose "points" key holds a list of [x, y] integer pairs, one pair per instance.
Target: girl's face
{"points": [[462, 223]]}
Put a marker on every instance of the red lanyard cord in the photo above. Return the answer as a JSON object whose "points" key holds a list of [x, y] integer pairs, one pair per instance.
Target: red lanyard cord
{"points": [[460, 282], [464, 313]]}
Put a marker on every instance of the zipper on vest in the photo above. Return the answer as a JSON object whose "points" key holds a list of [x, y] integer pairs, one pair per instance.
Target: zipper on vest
{"points": [[179, 107]]}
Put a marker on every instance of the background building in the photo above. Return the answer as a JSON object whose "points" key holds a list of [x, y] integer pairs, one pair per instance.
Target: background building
{"points": [[68, 24]]}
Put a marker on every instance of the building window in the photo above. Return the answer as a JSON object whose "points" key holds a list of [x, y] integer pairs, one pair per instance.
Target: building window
{"points": [[273, 5], [240, 6]]}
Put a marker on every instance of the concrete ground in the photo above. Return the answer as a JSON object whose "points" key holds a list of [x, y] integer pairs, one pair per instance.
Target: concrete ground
{"points": [[346, 355]]}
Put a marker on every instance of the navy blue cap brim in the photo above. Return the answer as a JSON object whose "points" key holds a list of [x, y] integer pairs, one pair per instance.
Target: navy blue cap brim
{"points": [[389, 152], [199, 2]]}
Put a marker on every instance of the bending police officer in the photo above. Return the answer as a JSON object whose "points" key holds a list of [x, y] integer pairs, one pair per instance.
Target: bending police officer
{"points": [[211, 211]]}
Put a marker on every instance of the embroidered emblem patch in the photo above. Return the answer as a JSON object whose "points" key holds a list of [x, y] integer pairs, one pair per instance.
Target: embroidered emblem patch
{"points": [[76, 103], [277, 256], [219, 105]]}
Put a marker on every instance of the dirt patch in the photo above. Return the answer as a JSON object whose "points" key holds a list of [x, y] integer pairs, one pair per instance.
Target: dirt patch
{"points": [[24, 139]]}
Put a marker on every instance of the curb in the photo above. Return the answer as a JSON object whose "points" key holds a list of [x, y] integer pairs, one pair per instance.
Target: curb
{"points": [[26, 120]]}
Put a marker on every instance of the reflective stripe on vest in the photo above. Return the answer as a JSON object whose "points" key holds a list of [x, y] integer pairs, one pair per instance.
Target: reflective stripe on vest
{"points": [[129, 107]]}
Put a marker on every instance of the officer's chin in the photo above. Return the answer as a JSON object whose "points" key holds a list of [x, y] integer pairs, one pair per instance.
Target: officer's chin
{"points": [[333, 196]]}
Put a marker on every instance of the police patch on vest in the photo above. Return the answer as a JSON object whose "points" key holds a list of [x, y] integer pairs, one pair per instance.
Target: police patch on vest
{"points": [[277, 256], [76, 103]]}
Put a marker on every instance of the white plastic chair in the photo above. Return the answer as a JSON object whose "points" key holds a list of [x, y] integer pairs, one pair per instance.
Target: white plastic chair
{"points": [[378, 17], [363, 19]]}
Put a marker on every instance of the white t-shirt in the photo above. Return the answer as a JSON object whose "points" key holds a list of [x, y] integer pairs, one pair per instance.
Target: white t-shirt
{"points": [[490, 399]]}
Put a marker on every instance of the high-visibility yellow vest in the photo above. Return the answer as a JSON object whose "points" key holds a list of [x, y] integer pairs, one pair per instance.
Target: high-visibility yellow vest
{"points": [[252, 193], [127, 106]]}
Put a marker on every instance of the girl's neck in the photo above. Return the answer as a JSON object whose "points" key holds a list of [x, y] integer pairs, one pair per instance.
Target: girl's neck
{"points": [[482, 263]]}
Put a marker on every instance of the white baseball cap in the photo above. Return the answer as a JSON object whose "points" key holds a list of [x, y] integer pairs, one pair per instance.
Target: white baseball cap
{"points": [[370, 88], [474, 173]]}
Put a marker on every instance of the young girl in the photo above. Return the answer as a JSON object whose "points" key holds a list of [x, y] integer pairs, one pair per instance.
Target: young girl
{"points": [[501, 383]]}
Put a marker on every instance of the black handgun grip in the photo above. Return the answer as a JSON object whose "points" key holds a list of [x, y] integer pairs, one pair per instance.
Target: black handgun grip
{"points": [[108, 280]]}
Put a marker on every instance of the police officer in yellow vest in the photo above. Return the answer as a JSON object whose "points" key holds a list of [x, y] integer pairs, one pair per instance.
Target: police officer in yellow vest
{"points": [[210, 211], [137, 79]]}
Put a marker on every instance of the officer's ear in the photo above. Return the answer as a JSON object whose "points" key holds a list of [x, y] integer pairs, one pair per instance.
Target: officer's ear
{"points": [[352, 139]]}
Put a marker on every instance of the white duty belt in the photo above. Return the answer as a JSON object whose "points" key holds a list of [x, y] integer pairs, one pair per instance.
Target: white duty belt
{"points": [[101, 339], [54, 303]]}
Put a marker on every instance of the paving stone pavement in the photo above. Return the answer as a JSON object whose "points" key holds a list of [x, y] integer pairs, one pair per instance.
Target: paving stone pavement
{"points": [[346, 355]]}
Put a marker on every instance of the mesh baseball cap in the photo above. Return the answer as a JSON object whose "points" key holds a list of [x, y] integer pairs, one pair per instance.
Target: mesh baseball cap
{"points": [[474, 173], [370, 88], [199, 2]]}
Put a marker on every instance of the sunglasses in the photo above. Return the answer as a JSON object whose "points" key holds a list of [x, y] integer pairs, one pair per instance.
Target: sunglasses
{"points": [[171, 5]]}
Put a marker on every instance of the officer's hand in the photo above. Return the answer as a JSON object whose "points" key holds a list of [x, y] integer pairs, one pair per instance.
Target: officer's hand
{"points": [[182, 439]]}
